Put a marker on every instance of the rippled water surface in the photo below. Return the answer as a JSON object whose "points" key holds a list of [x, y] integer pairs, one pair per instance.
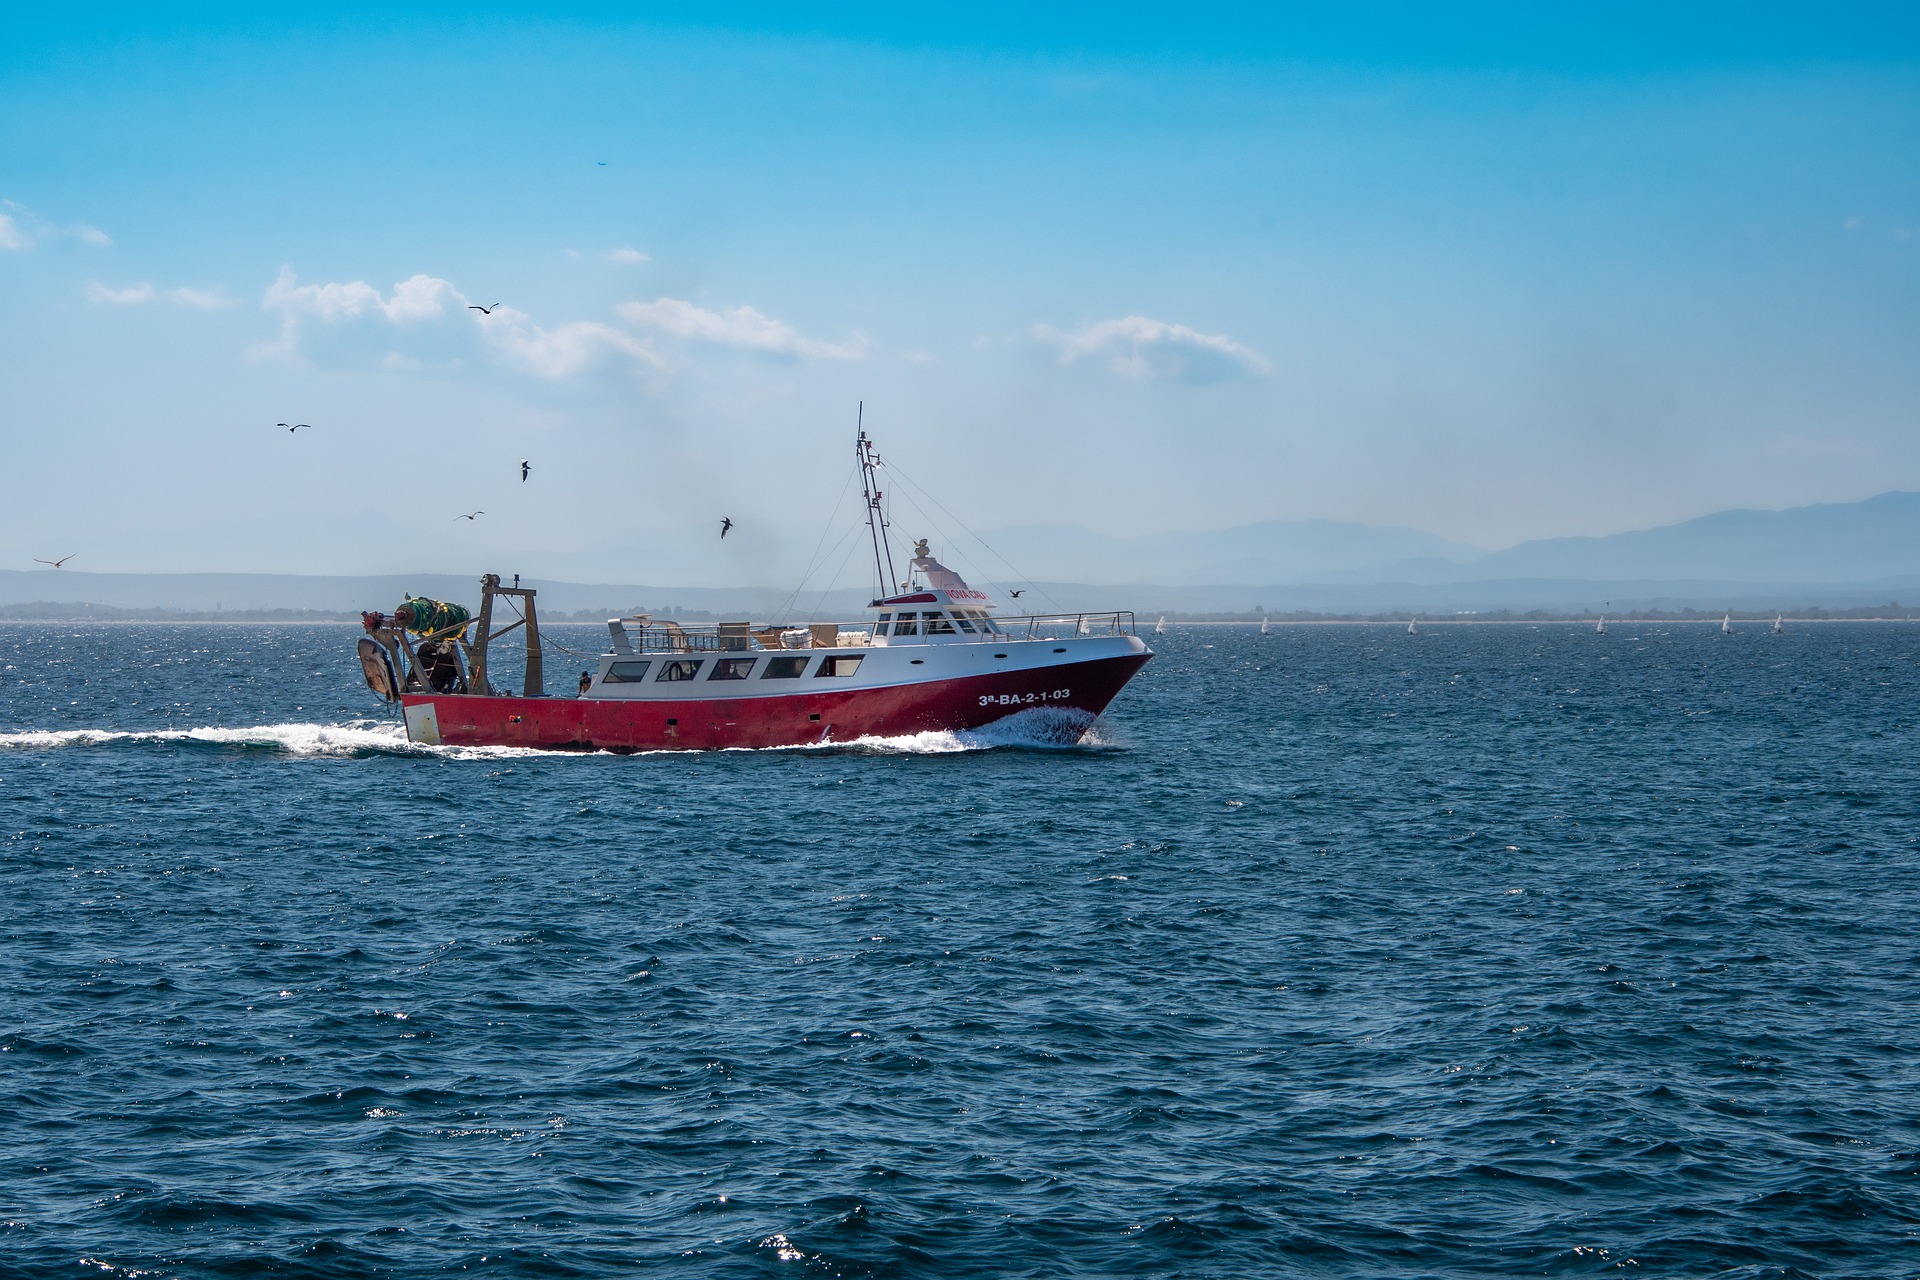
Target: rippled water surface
{"points": [[1341, 952]]}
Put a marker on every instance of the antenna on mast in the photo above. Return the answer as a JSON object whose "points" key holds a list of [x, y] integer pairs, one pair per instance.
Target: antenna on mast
{"points": [[876, 513]]}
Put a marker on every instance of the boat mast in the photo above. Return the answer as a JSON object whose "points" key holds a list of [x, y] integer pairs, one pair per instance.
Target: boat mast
{"points": [[876, 514]]}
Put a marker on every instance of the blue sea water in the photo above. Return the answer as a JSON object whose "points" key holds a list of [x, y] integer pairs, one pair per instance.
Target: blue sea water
{"points": [[1494, 950]]}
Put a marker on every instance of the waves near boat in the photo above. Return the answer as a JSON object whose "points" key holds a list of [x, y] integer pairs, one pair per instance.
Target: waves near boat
{"points": [[353, 738], [1044, 728], [1038, 728]]}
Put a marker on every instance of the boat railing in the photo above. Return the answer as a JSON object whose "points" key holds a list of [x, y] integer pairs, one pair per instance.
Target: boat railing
{"points": [[652, 636], [1051, 626], [662, 636]]}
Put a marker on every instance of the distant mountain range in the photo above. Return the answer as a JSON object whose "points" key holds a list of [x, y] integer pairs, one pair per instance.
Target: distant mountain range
{"points": [[1834, 555], [1830, 543], [1271, 551]]}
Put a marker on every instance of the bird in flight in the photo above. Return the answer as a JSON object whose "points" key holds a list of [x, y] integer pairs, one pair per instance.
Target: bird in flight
{"points": [[525, 467], [55, 563], [726, 523], [295, 426], [473, 515], [1016, 594], [485, 311]]}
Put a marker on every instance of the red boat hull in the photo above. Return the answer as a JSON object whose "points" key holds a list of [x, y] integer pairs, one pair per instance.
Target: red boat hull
{"points": [[799, 719]]}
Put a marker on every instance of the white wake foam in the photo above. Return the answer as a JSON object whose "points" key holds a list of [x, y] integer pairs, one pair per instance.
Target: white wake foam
{"points": [[360, 737], [1045, 728]]}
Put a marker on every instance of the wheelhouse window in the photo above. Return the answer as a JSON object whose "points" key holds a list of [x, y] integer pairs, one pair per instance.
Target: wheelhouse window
{"points": [[938, 626], [963, 622], [840, 665], [682, 669], [784, 668], [732, 669], [880, 627], [626, 673], [905, 625]]}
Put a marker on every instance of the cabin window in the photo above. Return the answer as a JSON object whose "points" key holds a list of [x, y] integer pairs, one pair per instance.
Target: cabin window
{"points": [[841, 665], [732, 669], [784, 668], [938, 626], [904, 625], [965, 625], [880, 628], [680, 670], [626, 673]]}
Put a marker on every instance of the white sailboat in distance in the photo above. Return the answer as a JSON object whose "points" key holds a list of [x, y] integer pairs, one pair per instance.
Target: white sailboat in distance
{"points": [[1777, 628], [1413, 626], [1160, 627], [1600, 627], [1266, 628], [1726, 625]]}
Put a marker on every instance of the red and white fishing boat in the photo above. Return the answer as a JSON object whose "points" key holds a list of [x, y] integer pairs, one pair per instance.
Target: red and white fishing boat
{"points": [[934, 655]]}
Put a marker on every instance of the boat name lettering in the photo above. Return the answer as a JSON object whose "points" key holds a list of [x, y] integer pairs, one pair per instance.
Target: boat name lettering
{"points": [[1022, 699]]}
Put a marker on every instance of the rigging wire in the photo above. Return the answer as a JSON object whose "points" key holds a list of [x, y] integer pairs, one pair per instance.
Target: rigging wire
{"points": [[547, 640], [826, 528], [940, 530], [836, 575], [976, 537]]}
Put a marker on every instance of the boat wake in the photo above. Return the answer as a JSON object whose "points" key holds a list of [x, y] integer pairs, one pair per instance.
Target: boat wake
{"points": [[355, 738], [1039, 728], [1035, 729]]}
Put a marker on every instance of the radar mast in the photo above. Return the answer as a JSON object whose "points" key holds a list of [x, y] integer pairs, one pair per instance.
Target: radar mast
{"points": [[869, 460]]}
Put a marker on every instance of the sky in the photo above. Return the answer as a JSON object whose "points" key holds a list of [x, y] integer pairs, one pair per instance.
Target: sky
{"points": [[1492, 272]]}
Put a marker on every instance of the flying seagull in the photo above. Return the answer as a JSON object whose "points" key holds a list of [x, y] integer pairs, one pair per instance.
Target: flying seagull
{"points": [[1016, 594], [294, 426], [525, 467], [470, 517], [55, 563], [726, 523], [485, 311]]}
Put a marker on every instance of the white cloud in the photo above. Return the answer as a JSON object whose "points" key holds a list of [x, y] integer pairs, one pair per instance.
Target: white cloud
{"points": [[323, 301], [566, 350], [21, 229], [419, 297], [1144, 348], [205, 299], [629, 257], [422, 298], [517, 342], [129, 296], [741, 327]]}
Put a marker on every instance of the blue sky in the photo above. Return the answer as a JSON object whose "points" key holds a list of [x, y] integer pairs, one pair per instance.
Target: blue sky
{"points": [[1489, 273]]}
